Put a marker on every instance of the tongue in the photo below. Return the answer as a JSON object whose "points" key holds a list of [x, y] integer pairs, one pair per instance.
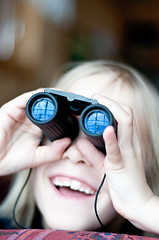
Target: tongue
{"points": [[69, 192]]}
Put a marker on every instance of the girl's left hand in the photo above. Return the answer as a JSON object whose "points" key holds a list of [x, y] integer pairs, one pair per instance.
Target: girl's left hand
{"points": [[124, 166]]}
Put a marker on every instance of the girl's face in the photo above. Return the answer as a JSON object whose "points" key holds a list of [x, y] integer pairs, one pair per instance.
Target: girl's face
{"points": [[65, 190]]}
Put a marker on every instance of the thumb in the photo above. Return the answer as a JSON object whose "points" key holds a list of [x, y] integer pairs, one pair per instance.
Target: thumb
{"points": [[51, 152], [113, 159]]}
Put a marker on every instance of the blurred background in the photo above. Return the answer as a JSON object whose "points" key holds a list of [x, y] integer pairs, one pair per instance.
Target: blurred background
{"points": [[37, 37]]}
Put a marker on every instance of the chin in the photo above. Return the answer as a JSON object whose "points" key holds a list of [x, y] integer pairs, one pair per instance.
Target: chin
{"points": [[75, 226], [78, 221]]}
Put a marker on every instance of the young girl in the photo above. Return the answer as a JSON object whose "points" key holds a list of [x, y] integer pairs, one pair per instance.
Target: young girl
{"points": [[66, 176]]}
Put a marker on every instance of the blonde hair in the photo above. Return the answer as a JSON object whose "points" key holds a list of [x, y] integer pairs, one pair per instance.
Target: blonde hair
{"points": [[141, 88], [26, 204]]}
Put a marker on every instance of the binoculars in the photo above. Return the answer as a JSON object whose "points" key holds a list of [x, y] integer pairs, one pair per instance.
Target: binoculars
{"points": [[56, 114]]}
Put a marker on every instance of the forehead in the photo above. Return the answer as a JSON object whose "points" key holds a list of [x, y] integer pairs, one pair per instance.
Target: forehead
{"points": [[108, 84]]}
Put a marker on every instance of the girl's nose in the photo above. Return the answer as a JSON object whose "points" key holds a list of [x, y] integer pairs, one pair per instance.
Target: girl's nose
{"points": [[74, 155]]}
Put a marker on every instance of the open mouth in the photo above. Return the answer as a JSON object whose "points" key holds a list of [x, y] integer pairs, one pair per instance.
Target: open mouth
{"points": [[72, 188]]}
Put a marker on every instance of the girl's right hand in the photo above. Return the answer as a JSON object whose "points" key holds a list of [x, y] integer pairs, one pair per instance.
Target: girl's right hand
{"points": [[20, 139]]}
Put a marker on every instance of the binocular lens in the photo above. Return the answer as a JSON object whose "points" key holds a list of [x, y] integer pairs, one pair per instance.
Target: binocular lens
{"points": [[43, 109], [96, 121]]}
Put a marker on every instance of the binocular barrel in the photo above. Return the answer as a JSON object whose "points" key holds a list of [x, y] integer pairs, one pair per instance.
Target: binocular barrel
{"points": [[52, 117], [56, 115]]}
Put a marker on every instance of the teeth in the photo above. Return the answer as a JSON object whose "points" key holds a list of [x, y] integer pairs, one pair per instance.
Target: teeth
{"points": [[73, 184], [81, 189], [87, 191], [66, 183]]}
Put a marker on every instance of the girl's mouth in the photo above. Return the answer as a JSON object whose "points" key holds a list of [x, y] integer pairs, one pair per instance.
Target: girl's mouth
{"points": [[71, 187]]}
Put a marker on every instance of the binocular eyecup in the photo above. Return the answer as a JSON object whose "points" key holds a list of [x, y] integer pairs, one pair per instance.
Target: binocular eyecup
{"points": [[56, 114]]}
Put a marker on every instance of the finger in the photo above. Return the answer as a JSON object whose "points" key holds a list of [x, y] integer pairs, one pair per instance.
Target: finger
{"points": [[125, 119], [13, 112], [14, 107], [51, 152], [91, 154], [113, 160], [136, 138]]}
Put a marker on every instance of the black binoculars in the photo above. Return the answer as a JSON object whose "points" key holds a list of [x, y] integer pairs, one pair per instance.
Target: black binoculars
{"points": [[55, 112]]}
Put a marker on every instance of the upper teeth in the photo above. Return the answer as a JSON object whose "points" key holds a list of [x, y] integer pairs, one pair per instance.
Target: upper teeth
{"points": [[73, 184]]}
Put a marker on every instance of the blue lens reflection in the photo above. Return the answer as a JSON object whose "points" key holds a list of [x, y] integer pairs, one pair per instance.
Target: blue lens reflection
{"points": [[43, 109], [96, 121]]}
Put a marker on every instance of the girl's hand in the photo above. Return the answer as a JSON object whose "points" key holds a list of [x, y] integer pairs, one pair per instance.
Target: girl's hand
{"points": [[19, 139], [124, 166]]}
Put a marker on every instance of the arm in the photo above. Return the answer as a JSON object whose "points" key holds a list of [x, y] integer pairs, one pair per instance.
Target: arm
{"points": [[19, 139]]}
